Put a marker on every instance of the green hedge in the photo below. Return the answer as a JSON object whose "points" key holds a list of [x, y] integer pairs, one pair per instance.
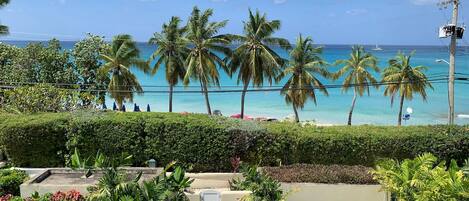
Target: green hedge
{"points": [[207, 143], [36, 140]]}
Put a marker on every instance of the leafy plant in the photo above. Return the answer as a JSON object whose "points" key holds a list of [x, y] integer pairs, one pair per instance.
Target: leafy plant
{"points": [[10, 181], [423, 178], [263, 187], [115, 186]]}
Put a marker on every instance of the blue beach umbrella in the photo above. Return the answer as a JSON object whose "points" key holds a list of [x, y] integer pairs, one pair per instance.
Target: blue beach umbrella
{"points": [[136, 108], [148, 108], [114, 106]]}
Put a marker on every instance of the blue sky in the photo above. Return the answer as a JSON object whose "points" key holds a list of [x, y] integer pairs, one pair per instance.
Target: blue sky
{"points": [[327, 21]]}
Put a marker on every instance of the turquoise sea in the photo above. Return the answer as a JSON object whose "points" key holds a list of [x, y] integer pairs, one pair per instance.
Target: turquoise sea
{"points": [[372, 109]]}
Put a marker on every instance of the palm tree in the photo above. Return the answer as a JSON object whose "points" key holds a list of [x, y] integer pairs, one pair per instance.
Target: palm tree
{"points": [[206, 47], [357, 74], [4, 29], [171, 51], [404, 80], [305, 62], [118, 62], [254, 59]]}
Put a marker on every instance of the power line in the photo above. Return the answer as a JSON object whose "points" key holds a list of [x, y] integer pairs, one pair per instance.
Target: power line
{"points": [[279, 89]]}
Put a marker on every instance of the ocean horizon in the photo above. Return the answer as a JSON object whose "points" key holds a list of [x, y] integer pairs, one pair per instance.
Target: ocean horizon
{"points": [[333, 109]]}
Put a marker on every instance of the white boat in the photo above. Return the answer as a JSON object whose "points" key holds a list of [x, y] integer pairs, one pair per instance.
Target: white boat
{"points": [[377, 48], [463, 116]]}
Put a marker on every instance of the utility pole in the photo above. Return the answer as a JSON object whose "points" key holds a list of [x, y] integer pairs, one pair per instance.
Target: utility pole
{"points": [[452, 63], [452, 57]]}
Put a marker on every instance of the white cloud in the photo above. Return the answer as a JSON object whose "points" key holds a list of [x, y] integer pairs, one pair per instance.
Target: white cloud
{"points": [[424, 2], [358, 11], [279, 1]]}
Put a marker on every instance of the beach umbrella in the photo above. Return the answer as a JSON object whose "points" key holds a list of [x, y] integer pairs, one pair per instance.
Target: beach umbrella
{"points": [[114, 106], [136, 107], [123, 108], [148, 108], [104, 106]]}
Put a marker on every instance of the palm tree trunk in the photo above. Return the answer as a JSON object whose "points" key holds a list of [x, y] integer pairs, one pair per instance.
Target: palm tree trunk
{"points": [[243, 95], [207, 101], [399, 120], [352, 107], [297, 118], [171, 98]]}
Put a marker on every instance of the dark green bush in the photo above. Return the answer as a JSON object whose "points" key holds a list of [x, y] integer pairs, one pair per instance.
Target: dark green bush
{"points": [[110, 133], [328, 174], [208, 143], [10, 181], [35, 140]]}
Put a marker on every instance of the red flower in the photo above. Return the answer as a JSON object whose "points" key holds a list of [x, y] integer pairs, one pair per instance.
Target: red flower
{"points": [[74, 195], [58, 196]]}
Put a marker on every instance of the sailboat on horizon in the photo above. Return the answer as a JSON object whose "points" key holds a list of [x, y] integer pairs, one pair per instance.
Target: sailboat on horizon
{"points": [[377, 48]]}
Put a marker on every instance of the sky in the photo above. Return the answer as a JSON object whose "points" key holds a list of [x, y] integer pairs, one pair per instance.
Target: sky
{"points": [[385, 22]]}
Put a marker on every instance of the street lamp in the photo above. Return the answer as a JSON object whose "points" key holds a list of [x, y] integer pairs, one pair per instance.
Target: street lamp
{"points": [[441, 60], [450, 92]]}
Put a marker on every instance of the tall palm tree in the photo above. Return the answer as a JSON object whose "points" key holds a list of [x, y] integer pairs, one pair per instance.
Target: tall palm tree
{"points": [[4, 29], [254, 59], [118, 62], [206, 47], [171, 52], [305, 62], [358, 74], [403, 80]]}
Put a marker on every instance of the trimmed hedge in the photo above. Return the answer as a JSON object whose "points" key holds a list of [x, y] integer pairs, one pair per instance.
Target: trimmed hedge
{"points": [[207, 143], [36, 140], [327, 174]]}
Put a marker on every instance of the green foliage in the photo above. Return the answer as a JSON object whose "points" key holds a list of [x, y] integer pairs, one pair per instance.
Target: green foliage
{"points": [[302, 80], [208, 143], [263, 187], [121, 57], [35, 140], [40, 98], [115, 186], [112, 134], [423, 178], [37, 63], [86, 58], [10, 181], [206, 49]]}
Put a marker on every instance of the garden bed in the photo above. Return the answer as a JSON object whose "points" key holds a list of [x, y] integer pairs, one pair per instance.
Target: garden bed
{"points": [[324, 174]]}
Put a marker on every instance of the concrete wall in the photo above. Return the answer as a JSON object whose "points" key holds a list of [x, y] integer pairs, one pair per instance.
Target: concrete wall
{"points": [[211, 182], [333, 192]]}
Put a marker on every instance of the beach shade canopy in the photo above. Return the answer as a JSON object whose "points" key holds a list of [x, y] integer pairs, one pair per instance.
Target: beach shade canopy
{"points": [[104, 106], [123, 108], [136, 108], [148, 108], [114, 106], [238, 116]]}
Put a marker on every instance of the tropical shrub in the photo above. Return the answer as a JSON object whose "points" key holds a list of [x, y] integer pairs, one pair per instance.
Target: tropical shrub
{"points": [[10, 181], [423, 178], [40, 98], [262, 187], [116, 186]]}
